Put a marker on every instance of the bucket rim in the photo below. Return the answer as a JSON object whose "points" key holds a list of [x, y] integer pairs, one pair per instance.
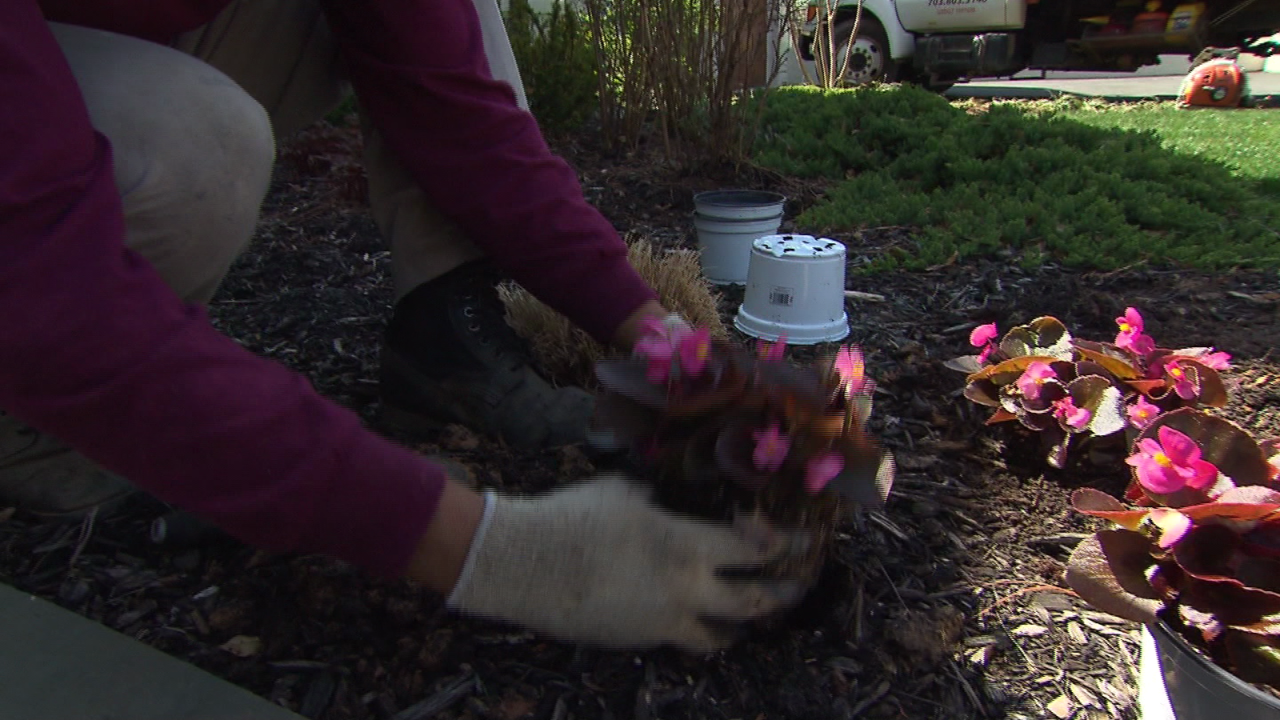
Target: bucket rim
{"points": [[738, 198]]}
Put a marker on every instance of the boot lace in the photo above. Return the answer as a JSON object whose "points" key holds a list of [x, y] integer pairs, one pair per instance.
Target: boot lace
{"points": [[486, 319]]}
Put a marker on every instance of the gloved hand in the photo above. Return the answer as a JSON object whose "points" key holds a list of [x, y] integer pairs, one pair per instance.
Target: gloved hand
{"points": [[675, 325], [599, 563]]}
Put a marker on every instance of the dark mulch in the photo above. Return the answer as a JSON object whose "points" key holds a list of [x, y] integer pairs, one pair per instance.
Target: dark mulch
{"points": [[949, 604]]}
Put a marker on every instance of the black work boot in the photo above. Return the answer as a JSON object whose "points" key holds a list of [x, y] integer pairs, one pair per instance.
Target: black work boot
{"points": [[41, 476], [450, 357]]}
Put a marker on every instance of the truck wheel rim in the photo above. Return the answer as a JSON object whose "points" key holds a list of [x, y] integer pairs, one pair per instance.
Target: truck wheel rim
{"points": [[866, 61]]}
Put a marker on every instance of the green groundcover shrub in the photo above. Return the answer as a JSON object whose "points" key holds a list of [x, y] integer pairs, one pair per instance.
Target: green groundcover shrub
{"points": [[1013, 178], [557, 63]]}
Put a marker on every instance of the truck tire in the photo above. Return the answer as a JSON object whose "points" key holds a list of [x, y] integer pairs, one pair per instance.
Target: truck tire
{"points": [[869, 60]]}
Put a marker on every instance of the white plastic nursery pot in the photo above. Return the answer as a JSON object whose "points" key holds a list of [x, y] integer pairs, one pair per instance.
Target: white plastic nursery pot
{"points": [[727, 221], [795, 288], [1177, 683]]}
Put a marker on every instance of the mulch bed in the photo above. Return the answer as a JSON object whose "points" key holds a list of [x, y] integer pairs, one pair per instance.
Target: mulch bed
{"points": [[948, 604]]}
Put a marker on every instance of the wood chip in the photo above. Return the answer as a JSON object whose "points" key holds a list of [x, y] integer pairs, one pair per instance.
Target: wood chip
{"points": [[243, 646], [1076, 633], [1053, 601], [1060, 707], [1063, 541], [1099, 628], [1029, 630], [869, 297], [982, 655], [1107, 618], [1084, 696]]}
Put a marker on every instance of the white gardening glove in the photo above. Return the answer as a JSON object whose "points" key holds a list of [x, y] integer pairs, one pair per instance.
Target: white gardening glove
{"points": [[599, 563]]}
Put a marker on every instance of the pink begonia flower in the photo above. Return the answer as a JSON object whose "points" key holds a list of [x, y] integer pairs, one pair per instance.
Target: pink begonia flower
{"points": [[1171, 463], [1076, 418], [984, 337], [821, 470], [771, 448], [1141, 413], [983, 334], [772, 352], [661, 354], [695, 349], [1173, 525], [1216, 360], [1181, 382], [1130, 336], [850, 367], [1032, 380], [658, 342]]}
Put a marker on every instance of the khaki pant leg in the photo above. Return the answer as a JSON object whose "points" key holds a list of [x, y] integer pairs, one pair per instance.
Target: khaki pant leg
{"points": [[192, 153], [283, 54]]}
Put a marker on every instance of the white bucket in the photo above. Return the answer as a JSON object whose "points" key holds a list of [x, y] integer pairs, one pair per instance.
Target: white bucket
{"points": [[727, 221], [725, 246], [795, 288]]}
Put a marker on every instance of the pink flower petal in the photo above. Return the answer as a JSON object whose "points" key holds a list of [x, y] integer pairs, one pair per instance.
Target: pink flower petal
{"points": [[821, 470], [983, 334], [695, 349], [1142, 412], [851, 369], [1031, 380], [1171, 464], [772, 352], [1131, 321], [771, 448], [1216, 360], [660, 355], [1173, 525], [1202, 474], [1180, 448]]}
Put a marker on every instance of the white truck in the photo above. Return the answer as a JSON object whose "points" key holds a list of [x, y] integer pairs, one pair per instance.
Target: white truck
{"points": [[936, 43]]}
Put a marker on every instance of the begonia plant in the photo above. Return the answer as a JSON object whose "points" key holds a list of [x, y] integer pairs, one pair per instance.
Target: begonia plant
{"points": [[1197, 545], [1194, 541], [732, 432], [1070, 390]]}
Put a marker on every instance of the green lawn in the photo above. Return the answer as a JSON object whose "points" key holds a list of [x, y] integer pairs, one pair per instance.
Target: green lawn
{"points": [[1247, 141], [1084, 184]]}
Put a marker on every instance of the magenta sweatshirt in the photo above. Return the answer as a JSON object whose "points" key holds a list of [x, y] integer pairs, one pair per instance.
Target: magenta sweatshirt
{"points": [[98, 352]]}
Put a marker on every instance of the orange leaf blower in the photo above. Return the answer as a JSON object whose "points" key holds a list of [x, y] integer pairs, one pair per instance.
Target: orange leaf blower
{"points": [[1216, 83]]}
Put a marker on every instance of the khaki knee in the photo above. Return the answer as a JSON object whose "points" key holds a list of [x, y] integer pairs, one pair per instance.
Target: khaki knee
{"points": [[193, 153]]}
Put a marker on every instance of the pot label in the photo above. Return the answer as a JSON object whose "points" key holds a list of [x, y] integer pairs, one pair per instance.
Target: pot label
{"points": [[782, 296]]}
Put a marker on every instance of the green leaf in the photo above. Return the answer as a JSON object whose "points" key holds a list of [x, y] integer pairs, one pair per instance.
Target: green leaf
{"points": [[1099, 504], [1103, 400], [1045, 337], [1108, 571]]}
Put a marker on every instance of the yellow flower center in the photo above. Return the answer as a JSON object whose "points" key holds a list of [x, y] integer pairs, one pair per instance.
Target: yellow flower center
{"points": [[1125, 327], [1162, 460], [704, 349], [1176, 373]]}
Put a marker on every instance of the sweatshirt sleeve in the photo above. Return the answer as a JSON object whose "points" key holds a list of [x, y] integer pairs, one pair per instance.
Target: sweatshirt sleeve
{"points": [[419, 69], [96, 350]]}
